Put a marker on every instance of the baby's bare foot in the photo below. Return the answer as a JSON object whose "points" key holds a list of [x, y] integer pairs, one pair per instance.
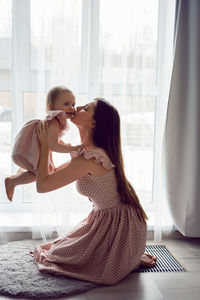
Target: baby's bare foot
{"points": [[148, 260], [9, 186]]}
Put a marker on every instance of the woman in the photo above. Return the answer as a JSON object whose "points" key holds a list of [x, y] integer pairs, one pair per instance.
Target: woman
{"points": [[110, 242]]}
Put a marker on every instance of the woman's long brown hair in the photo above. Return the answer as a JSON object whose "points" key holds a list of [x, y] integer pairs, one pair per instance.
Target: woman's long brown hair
{"points": [[106, 135]]}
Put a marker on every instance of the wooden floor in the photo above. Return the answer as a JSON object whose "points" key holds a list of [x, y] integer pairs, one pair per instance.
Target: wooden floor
{"points": [[155, 286]]}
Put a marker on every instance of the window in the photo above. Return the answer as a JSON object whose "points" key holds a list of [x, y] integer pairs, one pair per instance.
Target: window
{"points": [[107, 67]]}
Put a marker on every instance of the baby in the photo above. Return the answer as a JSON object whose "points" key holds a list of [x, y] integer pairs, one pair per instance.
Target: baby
{"points": [[60, 105]]}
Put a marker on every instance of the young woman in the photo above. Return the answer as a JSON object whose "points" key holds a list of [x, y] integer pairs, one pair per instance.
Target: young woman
{"points": [[110, 242]]}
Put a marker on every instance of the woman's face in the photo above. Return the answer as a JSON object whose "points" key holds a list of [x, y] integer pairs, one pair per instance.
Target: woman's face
{"points": [[83, 116]]}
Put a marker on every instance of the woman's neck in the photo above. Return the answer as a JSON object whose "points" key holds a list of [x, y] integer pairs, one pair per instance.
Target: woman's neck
{"points": [[85, 138]]}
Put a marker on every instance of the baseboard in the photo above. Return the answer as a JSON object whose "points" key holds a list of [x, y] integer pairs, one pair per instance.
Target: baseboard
{"points": [[17, 236]]}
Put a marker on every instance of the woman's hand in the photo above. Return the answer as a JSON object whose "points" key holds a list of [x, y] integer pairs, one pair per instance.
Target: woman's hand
{"points": [[42, 130]]}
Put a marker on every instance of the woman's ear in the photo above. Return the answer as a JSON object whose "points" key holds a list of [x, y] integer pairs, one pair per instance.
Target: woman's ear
{"points": [[50, 107], [93, 124]]}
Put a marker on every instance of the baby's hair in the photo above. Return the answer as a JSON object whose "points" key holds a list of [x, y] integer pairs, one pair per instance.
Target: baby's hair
{"points": [[54, 93]]}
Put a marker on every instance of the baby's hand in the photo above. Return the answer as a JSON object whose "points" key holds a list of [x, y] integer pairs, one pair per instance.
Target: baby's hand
{"points": [[70, 148], [78, 147]]}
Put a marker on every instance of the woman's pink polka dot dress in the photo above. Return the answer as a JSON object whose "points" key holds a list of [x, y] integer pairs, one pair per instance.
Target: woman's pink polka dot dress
{"points": [[108, 244]]}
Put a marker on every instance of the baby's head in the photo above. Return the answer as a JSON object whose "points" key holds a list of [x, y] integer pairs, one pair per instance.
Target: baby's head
{"points": [[61, 98]]}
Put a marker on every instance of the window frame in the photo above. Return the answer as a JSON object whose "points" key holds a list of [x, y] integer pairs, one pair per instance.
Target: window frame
{"points": [[24, 80]]}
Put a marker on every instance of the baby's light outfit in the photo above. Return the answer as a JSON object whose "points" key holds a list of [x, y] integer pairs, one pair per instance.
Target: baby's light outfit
{"points": [[26, 150]]}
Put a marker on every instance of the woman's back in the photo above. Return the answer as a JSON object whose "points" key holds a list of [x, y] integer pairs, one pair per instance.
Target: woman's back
{"points": [[105, 246]]}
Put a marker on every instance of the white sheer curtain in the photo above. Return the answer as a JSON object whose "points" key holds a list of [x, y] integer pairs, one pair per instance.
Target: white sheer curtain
{"points": [[119, 50], [116, 67], [163, 221], [55, 37]]}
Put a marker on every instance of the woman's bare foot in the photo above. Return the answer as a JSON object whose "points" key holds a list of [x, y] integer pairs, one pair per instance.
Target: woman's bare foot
{"points": [[148, 260], [10, 187]]}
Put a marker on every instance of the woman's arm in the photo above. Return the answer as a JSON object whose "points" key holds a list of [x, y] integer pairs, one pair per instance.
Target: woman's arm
{"points": [[53, 140], [46, 182], [62, 166], [78, 168]]}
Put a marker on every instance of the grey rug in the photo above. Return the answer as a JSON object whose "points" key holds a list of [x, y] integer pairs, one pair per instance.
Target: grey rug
{"points": [[19, 275]]}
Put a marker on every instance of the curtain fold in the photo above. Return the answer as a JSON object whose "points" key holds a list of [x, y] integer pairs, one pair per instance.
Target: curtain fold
{"points": [[183, 119], [162, 216]]}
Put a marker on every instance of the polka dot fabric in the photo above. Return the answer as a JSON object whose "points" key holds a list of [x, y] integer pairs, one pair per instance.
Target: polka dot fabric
{"points": [[108, 244]]}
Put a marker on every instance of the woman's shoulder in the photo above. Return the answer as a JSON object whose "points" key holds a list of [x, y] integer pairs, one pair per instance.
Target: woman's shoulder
{"points": [[99, 156], [94, 151]]}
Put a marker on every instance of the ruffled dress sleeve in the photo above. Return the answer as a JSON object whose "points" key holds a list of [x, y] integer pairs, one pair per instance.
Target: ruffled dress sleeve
{"points": [[60, 116], [100, 157]]}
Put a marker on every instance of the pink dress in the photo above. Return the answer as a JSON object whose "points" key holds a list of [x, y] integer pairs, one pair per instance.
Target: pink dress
{"points": [[108, 244], [26, 150]]}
